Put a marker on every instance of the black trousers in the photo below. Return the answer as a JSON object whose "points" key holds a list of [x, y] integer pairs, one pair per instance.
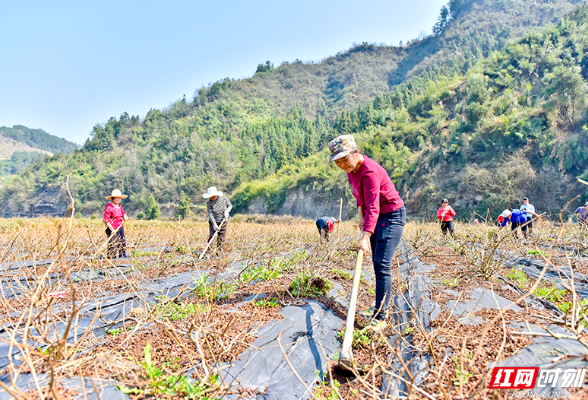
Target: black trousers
{"points": [[514, 226], [220, 239], [528, 227], [321, 230], [447, 226], [117, 243]]}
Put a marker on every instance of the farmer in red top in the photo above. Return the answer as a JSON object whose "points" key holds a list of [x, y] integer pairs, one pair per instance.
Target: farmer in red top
{"points": [[381, 216], [114, 217], [445, 214]]}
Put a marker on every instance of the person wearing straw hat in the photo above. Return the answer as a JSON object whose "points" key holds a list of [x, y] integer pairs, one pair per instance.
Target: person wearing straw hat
{"points": [[219, 208], [114, 218], [382, 217]]}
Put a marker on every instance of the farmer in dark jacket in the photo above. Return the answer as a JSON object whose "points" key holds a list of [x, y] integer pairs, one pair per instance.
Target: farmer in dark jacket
{"points": [[219, 208]]}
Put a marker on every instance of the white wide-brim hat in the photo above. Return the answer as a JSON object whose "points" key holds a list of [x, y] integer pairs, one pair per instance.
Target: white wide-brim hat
{"points": [[506, 213], [211, 192], [116, 193]]}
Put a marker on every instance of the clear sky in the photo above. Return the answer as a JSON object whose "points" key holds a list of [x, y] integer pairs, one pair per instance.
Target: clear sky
{"points": [[68, 65]]}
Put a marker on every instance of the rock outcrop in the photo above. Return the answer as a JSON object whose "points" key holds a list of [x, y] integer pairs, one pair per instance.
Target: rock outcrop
{"points": [[306, 204]]}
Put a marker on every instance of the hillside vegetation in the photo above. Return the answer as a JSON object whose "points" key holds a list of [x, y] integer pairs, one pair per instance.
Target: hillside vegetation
{"points": [[466, 30], [279, 120], [38, 139], [21, 146], [514, 125]]}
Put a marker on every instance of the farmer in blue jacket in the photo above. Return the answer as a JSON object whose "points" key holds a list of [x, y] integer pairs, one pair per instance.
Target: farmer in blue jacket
{"points": [[516, 218]]}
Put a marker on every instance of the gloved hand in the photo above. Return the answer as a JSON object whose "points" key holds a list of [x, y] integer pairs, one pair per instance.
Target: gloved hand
{"points": [[215, 226], [226, 215]]}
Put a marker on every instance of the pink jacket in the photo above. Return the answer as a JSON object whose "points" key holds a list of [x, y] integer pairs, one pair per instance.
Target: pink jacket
{"points": [[114, 215], [374, 191], [449, 214]]}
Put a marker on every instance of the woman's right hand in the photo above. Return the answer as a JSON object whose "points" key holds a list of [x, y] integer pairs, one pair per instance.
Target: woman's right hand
{"points": [[363, 244]]}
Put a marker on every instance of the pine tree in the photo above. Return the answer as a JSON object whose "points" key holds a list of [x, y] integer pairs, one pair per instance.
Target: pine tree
{"points": [[152, 211], [183, 209]]}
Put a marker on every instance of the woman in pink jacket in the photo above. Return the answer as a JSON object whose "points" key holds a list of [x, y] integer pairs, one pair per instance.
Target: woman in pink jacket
{"points": [[445, 214], [114, 217]]}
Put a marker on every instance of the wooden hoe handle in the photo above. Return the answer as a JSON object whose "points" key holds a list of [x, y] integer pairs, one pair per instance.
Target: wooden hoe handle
{"points": [[211, 240], [346, 354]]}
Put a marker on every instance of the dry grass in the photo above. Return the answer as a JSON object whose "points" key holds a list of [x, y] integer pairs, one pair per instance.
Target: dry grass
{"points": [[199, 325]]}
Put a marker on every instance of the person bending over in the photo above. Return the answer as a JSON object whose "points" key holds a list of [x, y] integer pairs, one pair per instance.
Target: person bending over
{"points": [[326, 225], [382, 216], [515, 217]]}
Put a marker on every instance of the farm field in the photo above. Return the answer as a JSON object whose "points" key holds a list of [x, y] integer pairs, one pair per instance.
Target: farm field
{"points": [[266, 316]]}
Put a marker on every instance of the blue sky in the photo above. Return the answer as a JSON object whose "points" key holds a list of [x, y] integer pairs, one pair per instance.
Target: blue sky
{"points": [[67, 65]]}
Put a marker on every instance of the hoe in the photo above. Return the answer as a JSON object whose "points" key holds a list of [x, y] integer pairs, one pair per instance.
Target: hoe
{"points": [[346, 355], [211, 240]]}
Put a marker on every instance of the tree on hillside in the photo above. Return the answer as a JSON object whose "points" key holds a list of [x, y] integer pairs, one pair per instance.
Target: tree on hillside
{"points": [[442, 21], [567, 95], [268, 66], [183, 209], [152, 211]]}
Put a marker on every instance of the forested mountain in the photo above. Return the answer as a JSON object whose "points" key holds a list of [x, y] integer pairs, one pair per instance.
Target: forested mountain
{"points": [[274, 125], [466, 30], [514, 125], [21, 146], [38, 139]]}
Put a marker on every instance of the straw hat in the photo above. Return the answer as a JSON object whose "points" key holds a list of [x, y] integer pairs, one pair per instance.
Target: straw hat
{"points": [[116, 193], [211, 192]]}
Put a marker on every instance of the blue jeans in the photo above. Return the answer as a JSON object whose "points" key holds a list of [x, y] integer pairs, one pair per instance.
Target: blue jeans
{"points": [[384, 242]]}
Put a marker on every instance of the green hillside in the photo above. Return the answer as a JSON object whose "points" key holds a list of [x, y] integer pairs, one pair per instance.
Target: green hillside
{"points": [[19, 160], [21, 146], [38, 138], [466, 30], [279, 120], [516, 124]]}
